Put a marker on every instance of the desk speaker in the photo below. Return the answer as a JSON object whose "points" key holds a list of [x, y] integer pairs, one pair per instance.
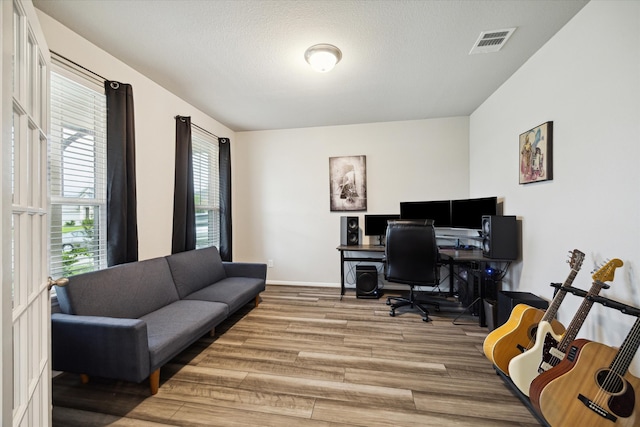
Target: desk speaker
{"points": [[500, 237], [367, 282], [349, 231]]}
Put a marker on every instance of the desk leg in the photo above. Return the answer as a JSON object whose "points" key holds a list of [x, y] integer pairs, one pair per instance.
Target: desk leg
{"points": [[451, 281], [482, 317], [341, 274]]}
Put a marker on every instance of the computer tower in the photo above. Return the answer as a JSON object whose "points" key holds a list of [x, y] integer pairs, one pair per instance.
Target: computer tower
{"points": [[367, 282]]}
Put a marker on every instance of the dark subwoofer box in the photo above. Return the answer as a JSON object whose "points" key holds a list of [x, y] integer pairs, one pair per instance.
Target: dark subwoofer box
{"points": [[509, 299], [367, 282]]}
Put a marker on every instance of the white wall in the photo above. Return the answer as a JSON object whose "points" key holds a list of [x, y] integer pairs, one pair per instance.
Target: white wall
{"points": [[155, 109], [281, 187], [587, 81]]}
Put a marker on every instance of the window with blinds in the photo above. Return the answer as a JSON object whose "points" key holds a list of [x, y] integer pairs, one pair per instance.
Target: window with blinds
{"points": [[206, 183], [77, 173]]}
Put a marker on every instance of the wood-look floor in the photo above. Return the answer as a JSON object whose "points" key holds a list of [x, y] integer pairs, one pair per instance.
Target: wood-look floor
{"points": [[304, 357]]}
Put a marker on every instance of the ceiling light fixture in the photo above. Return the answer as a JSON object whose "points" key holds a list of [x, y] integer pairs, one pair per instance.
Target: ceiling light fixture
{"points": [[323, 57]]}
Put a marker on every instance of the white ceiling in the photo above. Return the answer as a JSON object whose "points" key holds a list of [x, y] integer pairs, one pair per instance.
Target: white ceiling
{"points": [[242, 61]]}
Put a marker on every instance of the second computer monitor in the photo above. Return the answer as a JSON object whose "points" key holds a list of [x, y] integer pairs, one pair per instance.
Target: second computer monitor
{"points": [[439, 211], [467, 213]]}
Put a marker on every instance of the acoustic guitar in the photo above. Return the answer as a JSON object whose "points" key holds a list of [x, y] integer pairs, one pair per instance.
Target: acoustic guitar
{"points": [[549, 347], [591, 386], [519, 331]]}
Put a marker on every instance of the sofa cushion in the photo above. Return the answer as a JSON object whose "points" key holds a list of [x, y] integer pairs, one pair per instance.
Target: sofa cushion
{"points": [[124, 291], [193, 270], [233, 291], [173, 328]]}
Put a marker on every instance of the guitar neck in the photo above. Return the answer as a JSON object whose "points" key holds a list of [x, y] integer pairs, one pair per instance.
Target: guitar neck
{"points": [[627, 351], [551, 312], [579, 318]]}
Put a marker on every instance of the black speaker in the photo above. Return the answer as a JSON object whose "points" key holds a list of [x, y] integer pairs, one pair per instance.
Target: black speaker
{"points": [[349, 231], [500, 237], [507, 300], [367, 282]]}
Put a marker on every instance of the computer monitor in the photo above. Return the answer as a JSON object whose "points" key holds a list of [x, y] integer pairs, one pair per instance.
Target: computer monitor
{"points": [[376, 225], [467, 213], [439, 211]]}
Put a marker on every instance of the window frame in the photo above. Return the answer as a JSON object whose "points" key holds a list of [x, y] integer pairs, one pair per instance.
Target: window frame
{"points": [[91, 254], [206, 176]]}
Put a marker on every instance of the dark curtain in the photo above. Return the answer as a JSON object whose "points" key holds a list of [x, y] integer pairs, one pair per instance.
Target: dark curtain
{"points": [[225, 198], [122, 221], [184, 211]]}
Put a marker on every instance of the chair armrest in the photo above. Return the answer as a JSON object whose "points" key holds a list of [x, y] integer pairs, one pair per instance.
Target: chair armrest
{"points": [[100, 346], [245, 269]]}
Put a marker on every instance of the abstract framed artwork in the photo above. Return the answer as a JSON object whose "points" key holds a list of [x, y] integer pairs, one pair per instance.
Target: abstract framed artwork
{"points": [[348, 183], [536, 154]]}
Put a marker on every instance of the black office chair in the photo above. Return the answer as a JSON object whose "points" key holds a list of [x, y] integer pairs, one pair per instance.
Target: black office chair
{"points": [[411, 258]]}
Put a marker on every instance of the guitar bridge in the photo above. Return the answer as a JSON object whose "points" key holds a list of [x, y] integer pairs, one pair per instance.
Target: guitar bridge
{"points": [[544, 367], [597, 408]]}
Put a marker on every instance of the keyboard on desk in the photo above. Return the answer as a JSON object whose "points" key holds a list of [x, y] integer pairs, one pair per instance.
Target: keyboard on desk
{"points": [[459, 248]]}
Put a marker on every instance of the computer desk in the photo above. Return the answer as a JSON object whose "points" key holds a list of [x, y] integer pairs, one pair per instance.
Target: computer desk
{"points": [[473, 258], [375, 253]]}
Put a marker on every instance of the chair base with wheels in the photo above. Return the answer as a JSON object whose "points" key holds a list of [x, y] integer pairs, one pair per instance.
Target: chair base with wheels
{"points": [[411, 301]]}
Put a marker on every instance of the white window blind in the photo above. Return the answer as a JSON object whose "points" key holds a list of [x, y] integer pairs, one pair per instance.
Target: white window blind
{"points": [[206, 183], [77, 168]]}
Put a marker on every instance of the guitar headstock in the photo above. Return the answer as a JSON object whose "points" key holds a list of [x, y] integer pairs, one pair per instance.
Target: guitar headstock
{"points": [[607, 271], [575, 262]]}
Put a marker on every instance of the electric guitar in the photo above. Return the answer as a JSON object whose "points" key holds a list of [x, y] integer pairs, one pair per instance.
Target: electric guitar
{"points": [[548, 349], [519, 331], [591, 386]]}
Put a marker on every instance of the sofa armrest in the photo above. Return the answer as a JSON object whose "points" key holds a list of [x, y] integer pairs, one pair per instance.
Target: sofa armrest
{"points": [[245, 269], [100, 346]]}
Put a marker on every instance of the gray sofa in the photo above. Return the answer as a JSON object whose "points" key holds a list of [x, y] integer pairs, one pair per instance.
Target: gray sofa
{"points": [[125, 322]]}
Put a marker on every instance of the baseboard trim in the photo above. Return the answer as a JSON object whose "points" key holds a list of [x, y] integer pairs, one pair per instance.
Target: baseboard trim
{"points": [[389, 286], [303, 284]]}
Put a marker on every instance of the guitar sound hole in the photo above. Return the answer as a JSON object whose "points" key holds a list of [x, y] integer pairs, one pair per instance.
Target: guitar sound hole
{"points": [[532, 332], [609, 381]]}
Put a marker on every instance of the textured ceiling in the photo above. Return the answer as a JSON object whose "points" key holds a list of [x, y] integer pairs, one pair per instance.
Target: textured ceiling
{"points": [[242, 61]]}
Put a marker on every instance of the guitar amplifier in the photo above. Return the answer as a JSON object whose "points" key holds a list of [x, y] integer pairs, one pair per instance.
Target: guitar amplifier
{"points": [[508, 299]]}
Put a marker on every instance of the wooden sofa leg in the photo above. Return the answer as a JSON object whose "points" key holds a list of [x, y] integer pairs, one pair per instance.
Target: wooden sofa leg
{"points": [[154, 381], [257, 300], [84, 378], [212, 332]]}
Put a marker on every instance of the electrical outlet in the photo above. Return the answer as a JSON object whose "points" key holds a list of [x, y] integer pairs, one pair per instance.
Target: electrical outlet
{"points": [[270, 263]]}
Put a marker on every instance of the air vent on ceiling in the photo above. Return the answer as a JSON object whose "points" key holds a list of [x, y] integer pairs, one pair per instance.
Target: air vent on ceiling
{"points": [[491, 41]]}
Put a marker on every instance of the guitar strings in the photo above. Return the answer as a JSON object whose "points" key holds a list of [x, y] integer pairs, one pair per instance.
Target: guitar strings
{"points": [[619, 365], [577, 321], [575, 261]]}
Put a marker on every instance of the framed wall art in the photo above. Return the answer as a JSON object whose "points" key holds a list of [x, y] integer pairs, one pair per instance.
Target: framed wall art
{"points": [[536, 154], [348, 183]]}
